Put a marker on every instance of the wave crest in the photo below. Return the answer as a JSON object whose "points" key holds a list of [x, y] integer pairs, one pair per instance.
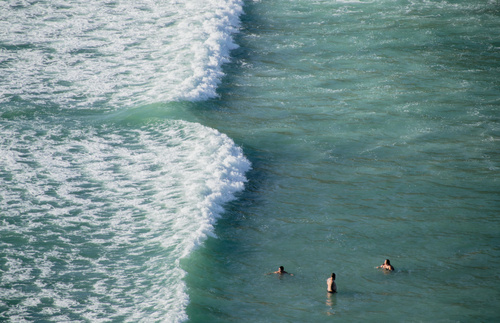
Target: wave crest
{"points": [[90, 54]]}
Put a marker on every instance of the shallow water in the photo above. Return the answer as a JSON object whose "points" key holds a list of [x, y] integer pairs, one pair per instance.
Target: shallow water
{"points": [[106, 181]]}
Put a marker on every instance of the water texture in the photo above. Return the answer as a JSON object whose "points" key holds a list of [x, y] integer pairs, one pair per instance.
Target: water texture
{"points": [[157, 160]]}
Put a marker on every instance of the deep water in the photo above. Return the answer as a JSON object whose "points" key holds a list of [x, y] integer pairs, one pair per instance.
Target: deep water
{"points": [[373, 132]]}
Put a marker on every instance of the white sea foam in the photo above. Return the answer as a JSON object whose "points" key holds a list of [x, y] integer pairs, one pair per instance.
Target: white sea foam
{"points": [[110, 213], [86, 53], [97, 219]]}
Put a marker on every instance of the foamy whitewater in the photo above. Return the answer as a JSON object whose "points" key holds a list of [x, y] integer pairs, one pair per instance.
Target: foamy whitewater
{"points": [[96, 215], [94, 53]]}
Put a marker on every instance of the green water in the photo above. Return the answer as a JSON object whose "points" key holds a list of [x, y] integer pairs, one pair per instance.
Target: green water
{"points": [[372, 128], [373, 131]]}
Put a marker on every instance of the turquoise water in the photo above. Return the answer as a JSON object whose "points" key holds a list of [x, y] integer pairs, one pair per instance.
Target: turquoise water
{"points": [[372, 128], [151, 170]]}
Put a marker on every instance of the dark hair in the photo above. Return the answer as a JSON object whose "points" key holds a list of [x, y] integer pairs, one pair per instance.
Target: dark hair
{"points": [[282, 268], [388, 261], [333, 276]]}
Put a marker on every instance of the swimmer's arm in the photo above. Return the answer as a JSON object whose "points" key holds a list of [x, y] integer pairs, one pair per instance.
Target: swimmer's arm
{"points": [[274, 272]]}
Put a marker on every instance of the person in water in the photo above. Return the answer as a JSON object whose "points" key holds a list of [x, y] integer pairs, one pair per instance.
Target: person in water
{"points": [[330, 284], [281, 271], [386, 265]]}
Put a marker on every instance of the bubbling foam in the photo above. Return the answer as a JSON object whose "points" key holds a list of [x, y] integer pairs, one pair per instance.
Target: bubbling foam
{"points": [[91, 54], [98, 218]]}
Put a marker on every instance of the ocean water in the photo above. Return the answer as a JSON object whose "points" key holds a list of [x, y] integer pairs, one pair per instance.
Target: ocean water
{"points": [[158, 159]]}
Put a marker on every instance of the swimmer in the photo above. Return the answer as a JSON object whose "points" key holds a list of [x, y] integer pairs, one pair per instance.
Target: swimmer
{"points": [[386, 265], [281, 271], [330, 284]]}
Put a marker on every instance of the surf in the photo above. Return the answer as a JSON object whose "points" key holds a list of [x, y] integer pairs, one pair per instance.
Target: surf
{"points": [[90, 54], [102, 193]]}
